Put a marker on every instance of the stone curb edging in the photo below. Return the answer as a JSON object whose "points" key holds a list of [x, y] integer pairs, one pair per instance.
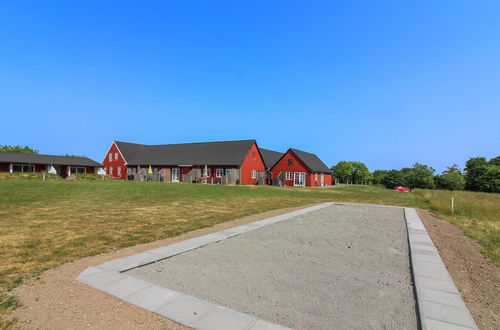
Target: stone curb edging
{"points": [[440, 305], [181, 308]]}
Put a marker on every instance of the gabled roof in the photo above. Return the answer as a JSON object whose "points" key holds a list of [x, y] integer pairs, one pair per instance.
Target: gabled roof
{"points": [[205, 153], [24, 158], [270, 157], [310, 160]]}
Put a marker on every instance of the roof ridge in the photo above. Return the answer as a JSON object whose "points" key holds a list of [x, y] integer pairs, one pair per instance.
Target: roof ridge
{"points": [[207, 142]]}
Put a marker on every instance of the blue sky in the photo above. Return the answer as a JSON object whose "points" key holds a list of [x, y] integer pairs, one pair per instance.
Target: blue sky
{"points": [[388, 83]]}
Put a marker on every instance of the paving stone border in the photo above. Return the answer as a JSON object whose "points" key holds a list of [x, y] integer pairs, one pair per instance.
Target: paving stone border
{"points": [[439, 303]]}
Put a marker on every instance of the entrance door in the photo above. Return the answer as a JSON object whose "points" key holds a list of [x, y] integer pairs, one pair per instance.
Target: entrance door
{"points": [[299, 179], [176, 174], [322, 179]]}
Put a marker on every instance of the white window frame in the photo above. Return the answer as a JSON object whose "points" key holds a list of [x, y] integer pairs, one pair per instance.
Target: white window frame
{"points": [[119, 171], [206, 172], [296, 179], [177, 176], [289, 176], [116, 156], [22, 168], [219, 172], [111, 170], [316, 176], [254, 174], [110, 158]]}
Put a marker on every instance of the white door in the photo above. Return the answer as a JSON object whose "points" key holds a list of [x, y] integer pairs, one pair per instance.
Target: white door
{"points": [[299, 179], [176, 174], [322, 179]]}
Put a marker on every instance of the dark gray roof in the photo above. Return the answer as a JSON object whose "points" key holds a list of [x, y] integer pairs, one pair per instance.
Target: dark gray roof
{"points": [[312, 161], [270, 157], [24, 158], [204, 153]]}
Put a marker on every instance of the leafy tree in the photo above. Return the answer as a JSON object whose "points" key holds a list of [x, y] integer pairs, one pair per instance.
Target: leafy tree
{"points": [[378, 176], [474, 169], [421, 176], [360, 172], [394, 178], [18, 148], [451, 179], [352, 172], [489, 180], [342, 171]]}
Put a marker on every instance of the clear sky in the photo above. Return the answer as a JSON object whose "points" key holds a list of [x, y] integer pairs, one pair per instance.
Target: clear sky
{"points": [[388, 83]]}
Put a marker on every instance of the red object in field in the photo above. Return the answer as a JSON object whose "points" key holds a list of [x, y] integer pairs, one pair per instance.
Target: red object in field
{"points": [[399, 188]]}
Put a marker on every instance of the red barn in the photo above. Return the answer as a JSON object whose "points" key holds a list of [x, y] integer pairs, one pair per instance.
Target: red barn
{"points": [[301, 169], [228, 162], [63, 165]]}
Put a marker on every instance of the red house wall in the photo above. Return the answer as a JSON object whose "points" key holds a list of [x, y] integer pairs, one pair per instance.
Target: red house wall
{"points": [[115, 163], [297, 166], [252, 161], [4, 167]]}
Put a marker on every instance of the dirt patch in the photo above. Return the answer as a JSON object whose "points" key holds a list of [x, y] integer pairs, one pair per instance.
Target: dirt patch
{"points": [[58, 301], [476, 278]]}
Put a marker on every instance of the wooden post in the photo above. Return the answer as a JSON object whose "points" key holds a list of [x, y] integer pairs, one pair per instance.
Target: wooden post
{"points": [[452, 205]]}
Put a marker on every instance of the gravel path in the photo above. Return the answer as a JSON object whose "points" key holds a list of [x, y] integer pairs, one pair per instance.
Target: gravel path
{"points": [[344, 267]]}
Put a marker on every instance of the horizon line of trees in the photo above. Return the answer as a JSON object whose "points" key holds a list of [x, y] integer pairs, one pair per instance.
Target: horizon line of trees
{"points": [[479, 174]]}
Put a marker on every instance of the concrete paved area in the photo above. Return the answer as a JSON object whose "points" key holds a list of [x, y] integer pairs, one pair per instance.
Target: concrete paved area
{"points": [[342, 266], [334, 265]]}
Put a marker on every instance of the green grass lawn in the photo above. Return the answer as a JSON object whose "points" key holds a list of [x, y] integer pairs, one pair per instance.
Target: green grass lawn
{"points": [[44, 224]]}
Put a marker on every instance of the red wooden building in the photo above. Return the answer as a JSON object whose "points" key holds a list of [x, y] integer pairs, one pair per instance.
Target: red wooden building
{"points": [[228, 162], [15, 162], [301, 169]]}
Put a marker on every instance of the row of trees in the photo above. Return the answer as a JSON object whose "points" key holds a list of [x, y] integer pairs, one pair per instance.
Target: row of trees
{"points": [[479, 175], [24, 149]]}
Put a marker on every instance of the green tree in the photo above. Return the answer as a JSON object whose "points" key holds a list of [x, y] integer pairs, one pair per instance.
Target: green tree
{"points": [[23, 149], [342, 171], [360, 173], [378, 177], [394, 178], [351, 172], [474, 169], [489, 180], [421, 176], [451, 179]]}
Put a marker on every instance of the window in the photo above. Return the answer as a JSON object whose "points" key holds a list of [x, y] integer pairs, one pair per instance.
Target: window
{"points": [[111, 170], [254, 174], [316, 176], [206, 172], [23, 168], [77, 170], [219, 172], [228, 171], [288, 175], [116, 156], [110, 157], [290, 163], [119, 171]]}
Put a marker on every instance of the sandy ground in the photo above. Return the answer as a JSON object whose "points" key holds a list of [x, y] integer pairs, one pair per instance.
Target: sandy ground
{"points": [[58, 301], [476, 278], [341, 267]]}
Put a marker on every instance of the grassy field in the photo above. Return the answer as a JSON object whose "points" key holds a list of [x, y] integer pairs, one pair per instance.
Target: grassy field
{"points": [[44, 224]]}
